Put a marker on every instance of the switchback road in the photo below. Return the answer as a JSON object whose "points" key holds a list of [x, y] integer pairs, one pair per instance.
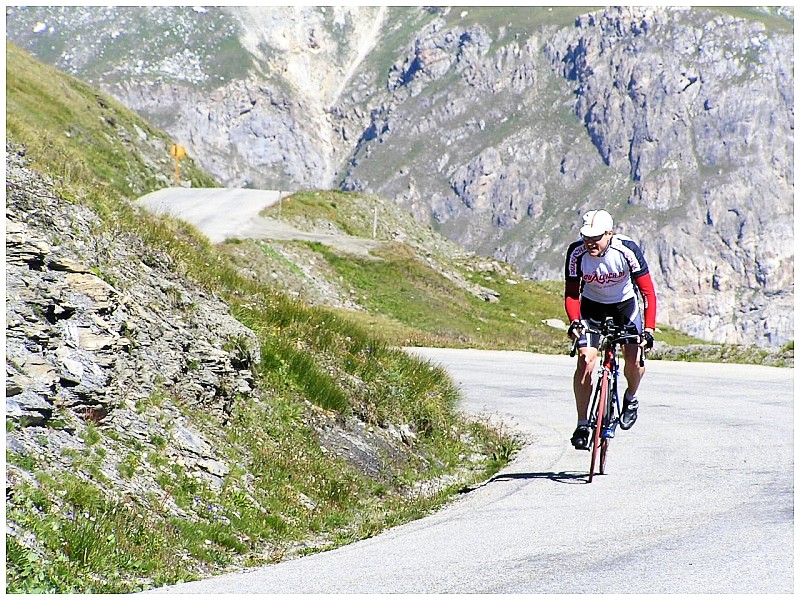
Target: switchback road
{"points": [[232, 213], [698, 497]]}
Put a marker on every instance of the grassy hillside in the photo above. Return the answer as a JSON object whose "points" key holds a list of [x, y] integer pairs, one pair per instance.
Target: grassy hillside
{"points": [[417, 288], [102, 155], [82, 136]]}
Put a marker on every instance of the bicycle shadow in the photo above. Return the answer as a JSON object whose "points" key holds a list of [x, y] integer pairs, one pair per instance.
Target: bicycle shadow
{"points": [[568, 477]]}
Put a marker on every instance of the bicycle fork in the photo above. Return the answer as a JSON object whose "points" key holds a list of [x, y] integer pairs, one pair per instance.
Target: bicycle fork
{"points": [[612, 409]]}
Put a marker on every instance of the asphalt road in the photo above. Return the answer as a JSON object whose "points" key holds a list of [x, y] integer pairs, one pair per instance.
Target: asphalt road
{"points": [[698, 497], [233, 213], [220, 213]]}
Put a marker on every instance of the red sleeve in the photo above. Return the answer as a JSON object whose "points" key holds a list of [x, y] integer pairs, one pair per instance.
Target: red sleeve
{"points": [[572, 300], [645, 284]]}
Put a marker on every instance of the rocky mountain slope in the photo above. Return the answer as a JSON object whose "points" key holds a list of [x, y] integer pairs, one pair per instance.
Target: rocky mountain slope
{"points": [[167, 416], [498, 126], [131, 395]]}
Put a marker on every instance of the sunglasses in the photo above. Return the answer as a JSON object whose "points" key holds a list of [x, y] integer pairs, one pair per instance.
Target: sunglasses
{"points": [[594, 239]]}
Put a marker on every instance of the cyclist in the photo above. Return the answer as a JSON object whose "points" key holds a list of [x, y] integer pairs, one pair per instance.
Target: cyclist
{"points": [[602, 272]]}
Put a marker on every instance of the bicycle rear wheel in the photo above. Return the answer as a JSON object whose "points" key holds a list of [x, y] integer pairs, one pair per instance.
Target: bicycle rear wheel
{"points": [[598, 441]]}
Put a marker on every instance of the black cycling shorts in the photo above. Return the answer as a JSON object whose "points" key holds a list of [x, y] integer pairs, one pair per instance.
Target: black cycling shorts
{"points": [[594, 314]]}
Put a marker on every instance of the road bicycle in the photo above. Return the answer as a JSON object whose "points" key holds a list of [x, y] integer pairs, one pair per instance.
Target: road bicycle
{"points": [[605, 409]]}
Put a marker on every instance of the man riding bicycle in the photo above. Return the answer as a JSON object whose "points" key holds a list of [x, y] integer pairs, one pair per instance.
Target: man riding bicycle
{"points": [[603, 271]]}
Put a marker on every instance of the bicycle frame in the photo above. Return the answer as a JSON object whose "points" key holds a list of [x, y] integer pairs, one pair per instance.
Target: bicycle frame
{"points": [[605, 409]]}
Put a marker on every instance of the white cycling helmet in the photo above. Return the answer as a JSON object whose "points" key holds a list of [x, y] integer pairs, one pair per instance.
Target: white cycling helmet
{"points": [[596, 222]]}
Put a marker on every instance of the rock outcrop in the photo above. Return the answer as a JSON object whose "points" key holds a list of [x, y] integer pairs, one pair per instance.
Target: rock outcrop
{"points": [[95, 334]]}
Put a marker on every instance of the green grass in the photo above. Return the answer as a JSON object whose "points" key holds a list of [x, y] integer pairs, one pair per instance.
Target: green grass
{"points": [[352, 213], [518, 18], [90, 536], [410, 292], [766, 15]]}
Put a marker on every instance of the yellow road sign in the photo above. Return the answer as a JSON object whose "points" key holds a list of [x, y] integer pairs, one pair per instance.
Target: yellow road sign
{"points": [[178, 153]]}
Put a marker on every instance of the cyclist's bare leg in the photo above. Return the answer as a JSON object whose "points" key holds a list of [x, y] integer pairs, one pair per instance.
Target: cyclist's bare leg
{"points": [[633, 372], [582, 380]]}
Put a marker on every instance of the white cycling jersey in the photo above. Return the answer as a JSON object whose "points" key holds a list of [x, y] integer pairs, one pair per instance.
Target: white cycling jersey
{"points": [[607, 278]]}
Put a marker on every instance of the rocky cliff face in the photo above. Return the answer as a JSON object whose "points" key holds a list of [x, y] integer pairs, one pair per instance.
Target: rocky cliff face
{"points": [[99, 331], [499, 126], [699, 113]]}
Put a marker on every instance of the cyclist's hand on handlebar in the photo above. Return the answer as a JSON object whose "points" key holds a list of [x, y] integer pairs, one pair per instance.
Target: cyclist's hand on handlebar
{"points": [[575, 330], [647, 339]]}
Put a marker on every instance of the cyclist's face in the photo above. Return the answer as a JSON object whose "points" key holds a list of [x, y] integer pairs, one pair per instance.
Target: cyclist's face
{"points": [[596, 245]]}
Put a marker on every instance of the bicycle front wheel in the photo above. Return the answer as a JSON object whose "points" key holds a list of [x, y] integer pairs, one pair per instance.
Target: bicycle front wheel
{"points": [[603, 455], [598, 440], [608, 416]]}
